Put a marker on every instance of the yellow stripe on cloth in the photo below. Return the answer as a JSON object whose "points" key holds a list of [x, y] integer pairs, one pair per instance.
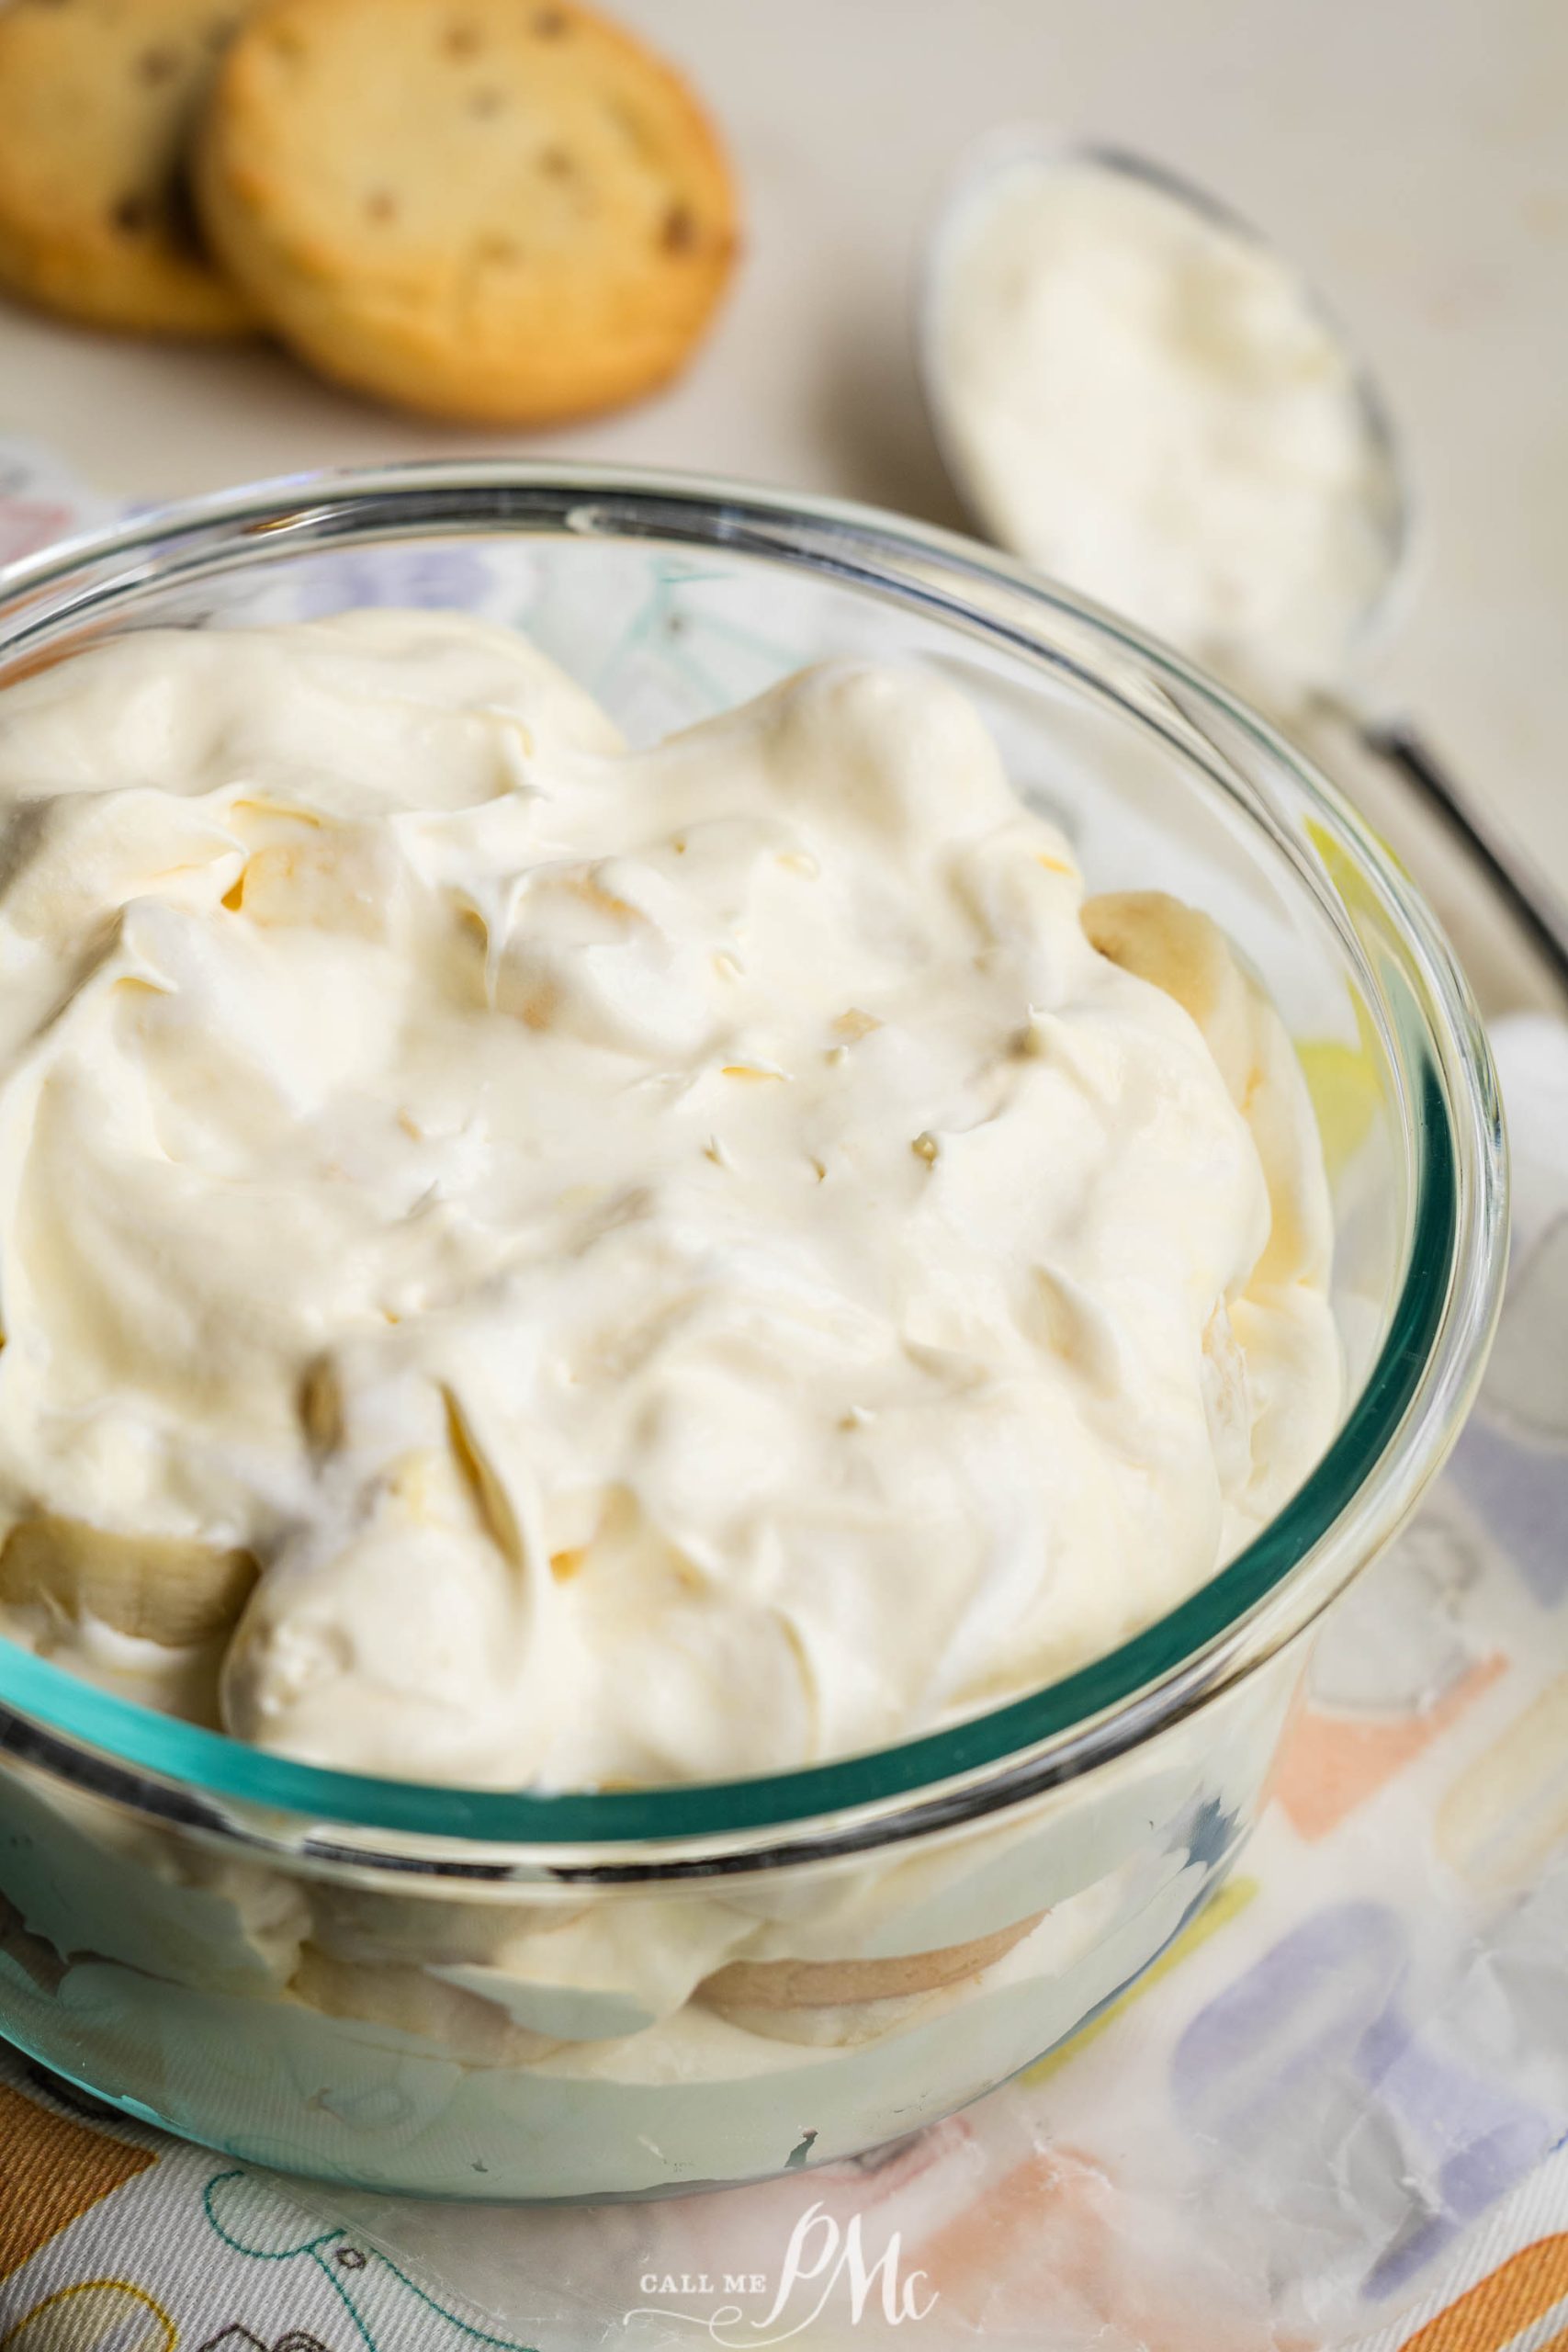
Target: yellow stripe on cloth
{"points": [[1233, 1896], [52, 2169]]}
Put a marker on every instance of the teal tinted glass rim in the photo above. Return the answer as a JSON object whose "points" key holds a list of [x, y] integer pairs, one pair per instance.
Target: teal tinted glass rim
{"points": [[1453, 1268]]}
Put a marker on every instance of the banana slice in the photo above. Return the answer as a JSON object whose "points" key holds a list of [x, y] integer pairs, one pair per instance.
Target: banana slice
{"points": [[34, 1955], [169, 1589], [1188, 956]]}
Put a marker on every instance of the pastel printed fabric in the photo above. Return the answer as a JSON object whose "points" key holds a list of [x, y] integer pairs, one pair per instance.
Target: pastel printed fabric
{"points": [[113, 2240]]}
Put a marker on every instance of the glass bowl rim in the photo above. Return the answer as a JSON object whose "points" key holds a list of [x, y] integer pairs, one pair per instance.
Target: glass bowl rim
{"points": [[1392, 1442]]}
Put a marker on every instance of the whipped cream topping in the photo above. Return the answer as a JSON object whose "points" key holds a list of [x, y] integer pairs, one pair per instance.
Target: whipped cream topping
{"points": [[1148, 402], [523, 1261]]}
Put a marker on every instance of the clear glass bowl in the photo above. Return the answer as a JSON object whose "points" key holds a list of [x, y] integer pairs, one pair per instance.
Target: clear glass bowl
{"points": [[479, 1994]]}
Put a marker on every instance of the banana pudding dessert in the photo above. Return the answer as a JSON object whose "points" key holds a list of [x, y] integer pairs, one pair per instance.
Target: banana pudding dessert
{"points": [[530, 1264]]}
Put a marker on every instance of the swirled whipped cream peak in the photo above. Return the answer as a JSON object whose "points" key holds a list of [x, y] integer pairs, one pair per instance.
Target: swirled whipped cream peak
{"points": [[529, 1263]]}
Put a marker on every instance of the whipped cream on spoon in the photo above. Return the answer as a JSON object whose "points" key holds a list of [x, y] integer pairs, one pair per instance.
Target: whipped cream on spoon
{"points": [[1134, 390]]}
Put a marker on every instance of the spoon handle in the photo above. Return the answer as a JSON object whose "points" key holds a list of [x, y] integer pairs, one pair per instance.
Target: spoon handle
{"points": [[1527, 891]]}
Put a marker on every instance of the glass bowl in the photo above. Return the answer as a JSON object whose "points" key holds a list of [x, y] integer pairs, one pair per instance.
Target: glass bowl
{"points": [[479, 1994]]}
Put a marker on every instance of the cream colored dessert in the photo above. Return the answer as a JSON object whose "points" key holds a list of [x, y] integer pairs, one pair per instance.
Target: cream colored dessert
{"points": [[530, 1264], [536, 1264], [1147, 403]]}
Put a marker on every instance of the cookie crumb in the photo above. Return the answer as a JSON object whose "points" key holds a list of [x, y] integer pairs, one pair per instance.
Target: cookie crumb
{"points": [[462, 40], [556, 164], [381, 205]]}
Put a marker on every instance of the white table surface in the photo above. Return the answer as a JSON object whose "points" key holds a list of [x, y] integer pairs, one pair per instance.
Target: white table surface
{"points": [[1413, 154]]}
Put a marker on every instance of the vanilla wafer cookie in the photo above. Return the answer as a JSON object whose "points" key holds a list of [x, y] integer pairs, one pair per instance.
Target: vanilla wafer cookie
{"points": [[492, 210], [96, 102]]}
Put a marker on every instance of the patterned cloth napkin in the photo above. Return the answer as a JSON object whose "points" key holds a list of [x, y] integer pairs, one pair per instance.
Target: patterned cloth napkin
{"points": [[1334, 2114]]}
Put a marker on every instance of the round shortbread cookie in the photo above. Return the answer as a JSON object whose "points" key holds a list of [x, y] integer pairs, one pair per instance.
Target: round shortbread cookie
{"points": [[97, 98], [500, 210]]}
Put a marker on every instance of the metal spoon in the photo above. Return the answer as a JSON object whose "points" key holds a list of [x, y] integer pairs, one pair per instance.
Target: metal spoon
{"points": [[1393, 738]]}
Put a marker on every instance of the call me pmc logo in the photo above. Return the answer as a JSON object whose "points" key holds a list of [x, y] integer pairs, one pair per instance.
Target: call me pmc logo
{"points": [[823, 2263]]}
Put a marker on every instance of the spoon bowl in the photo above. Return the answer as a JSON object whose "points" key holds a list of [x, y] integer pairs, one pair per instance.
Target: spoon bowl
{"points": [[999, 161]]}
